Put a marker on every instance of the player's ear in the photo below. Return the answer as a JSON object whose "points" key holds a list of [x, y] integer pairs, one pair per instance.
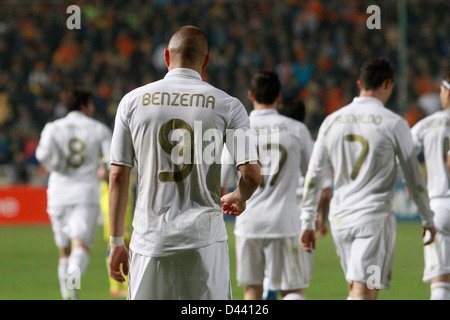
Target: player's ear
{"points": [[205, 63], [358, 83], [387, 83], [279, 96], [167, 57], [251, 97]]}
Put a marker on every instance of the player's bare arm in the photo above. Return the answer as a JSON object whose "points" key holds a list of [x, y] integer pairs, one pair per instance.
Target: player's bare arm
{"points": [[234, 202], [448, 163], [118, 199], [324, 205]]}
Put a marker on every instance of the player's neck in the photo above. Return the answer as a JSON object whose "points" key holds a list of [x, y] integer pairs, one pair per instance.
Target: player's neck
{"points": [[373, 94], [260, 106], [177, 66]]}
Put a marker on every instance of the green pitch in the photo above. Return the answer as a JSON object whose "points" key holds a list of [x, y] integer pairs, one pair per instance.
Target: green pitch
{"points": [[28, 264]]}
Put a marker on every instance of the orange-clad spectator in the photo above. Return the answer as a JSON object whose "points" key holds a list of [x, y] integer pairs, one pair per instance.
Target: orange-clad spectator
{"points": [[104, 90], [424, 84], [413, 115], [125, 44], [316, 7], [67, 52], [333, 99], [324, 63], [27, 29]]}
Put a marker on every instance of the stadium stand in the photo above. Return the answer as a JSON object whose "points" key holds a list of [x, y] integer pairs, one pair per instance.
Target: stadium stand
{"points": [[316, 47]]}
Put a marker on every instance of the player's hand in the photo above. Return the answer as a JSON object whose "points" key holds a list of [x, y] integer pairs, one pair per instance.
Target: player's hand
{"points": [[118, 258], [431, 232], [307, 240], [231, 205]]}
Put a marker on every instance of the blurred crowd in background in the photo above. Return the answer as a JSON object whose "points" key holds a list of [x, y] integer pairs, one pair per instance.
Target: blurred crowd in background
{"points": [[316, 46]]}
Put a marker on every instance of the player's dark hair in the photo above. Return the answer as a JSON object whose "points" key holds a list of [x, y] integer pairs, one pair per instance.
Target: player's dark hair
{"points": [[293, 107], [374, 72], [76, 98], [265, 86]]}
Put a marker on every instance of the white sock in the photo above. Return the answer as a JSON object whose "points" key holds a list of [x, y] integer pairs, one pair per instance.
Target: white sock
{"points": [[78, 261], [62, 269], [350, 298], [440, 291], [294, 296]]}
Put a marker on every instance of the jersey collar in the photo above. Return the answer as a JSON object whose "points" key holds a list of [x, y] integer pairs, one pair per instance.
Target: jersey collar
{"points": [[183, 72], [368, 99], [76, 113], [263, 112]]}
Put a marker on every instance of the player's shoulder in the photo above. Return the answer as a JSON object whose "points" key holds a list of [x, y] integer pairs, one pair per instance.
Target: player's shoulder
{"points": [[440, 118], [100, 125], [217, 90], [441, 114], [55, 124], [222, 98], [78, 117], [293, 123], [139, 91]]}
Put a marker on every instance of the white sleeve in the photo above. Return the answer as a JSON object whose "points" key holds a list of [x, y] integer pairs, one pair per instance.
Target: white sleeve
{"points": [[229, 174], [239, 138], [307, 148], [412, 174], [122, 150], [416, 133], [48, 152], [327, 181], [319, 167]]}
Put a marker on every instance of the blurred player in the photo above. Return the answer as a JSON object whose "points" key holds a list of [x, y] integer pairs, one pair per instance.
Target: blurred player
{"points": [[71, 149], [267, 234], [179, 247], [360, 143], [294, 107], [431, 136]]}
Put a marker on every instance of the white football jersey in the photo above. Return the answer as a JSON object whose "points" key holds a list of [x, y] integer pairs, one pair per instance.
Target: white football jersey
{"points": [[173, 129], [72, 149], [432, 136], [360, 143], [272, 211], [327, 183]]}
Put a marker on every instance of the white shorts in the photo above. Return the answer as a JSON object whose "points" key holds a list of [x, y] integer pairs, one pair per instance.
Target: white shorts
{"points": [[437, 254], [441, 208], [280, 260], [74, 222], [197, 274], [366, 251]]}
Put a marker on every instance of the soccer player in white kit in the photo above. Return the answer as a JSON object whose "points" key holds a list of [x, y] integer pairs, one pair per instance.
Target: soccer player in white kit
{"points": [[431, 136], [360, 143], [179, 246], [71, 149], [267, 233], [294, 108]]}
